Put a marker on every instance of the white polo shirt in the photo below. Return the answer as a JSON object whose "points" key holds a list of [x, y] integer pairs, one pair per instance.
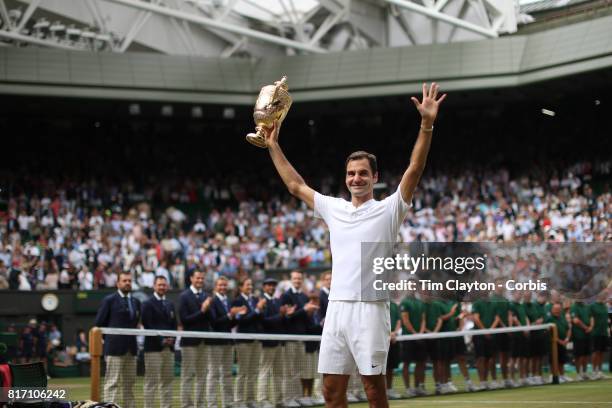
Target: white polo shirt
{"points": [[373, 221]]}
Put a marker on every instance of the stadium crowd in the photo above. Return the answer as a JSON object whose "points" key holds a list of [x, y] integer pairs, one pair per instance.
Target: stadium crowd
{"points": [[79, 236]]}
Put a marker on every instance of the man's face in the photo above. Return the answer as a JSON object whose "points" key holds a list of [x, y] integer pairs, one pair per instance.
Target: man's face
{"points": [[326, 281], [269, 288], [516, 296], [556, 310], [359, 178], [297, 280], [247, 287], [197, 280], [221, 287], [161, 287], [124, 284]]}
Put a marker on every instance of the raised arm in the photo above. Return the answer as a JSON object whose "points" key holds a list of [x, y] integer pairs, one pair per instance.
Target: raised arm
{"points": [[428, 108], [292, 179]]}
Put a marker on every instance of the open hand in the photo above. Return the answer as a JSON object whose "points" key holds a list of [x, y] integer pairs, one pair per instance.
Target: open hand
{"points": [[428, 107]]}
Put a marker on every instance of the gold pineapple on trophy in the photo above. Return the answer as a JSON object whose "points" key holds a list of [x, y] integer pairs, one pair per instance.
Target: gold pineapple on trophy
{"points": [[272, 105]]}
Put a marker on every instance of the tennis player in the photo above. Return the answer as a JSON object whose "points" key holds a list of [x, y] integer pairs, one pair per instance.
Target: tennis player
{"points": [[356, 333]]}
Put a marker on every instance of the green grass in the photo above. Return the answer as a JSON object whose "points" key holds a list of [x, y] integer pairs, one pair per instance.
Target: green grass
{"points": [[581, 394], [576, 394]]}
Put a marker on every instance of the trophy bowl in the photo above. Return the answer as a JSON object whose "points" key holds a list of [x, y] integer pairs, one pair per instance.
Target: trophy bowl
{"points": [[272, 105]]}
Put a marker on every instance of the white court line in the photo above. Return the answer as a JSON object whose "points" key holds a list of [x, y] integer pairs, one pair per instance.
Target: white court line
{"points": [[459, 401]]}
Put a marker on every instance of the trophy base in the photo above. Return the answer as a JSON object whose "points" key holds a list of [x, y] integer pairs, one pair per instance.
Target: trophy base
{"points": [[256, 139]]}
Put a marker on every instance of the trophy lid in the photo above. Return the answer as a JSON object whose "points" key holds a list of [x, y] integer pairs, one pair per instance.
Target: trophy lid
{"points": [[282, 82]]}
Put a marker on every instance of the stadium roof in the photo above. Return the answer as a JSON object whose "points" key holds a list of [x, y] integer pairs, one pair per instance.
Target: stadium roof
{"points": [[533, 6], [257, 28]]}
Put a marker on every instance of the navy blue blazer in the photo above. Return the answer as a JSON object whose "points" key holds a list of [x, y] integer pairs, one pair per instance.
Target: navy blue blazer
{"points": [[157, 315], [323, 301], [220, 321], [192, 318], [272, 321], [298, 322], [249, 322], [115, 312]]}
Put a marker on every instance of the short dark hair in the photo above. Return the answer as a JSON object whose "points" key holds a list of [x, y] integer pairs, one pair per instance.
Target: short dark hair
{"points": [[122, 272], [158, 277], [360, 154]]}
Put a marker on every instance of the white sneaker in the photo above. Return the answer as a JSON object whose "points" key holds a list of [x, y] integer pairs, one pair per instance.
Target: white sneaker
{"points": [[567, 379], [318, 400], [393, 395], [470, 387], [420, 391], [410, 393], [443, 389], [492, 385], [583, 377], [451, 387], [508, 383], [593, 376], [479, 387], [265, 404], [291, 403], [305, 401], [539, 380], [350, 397]]}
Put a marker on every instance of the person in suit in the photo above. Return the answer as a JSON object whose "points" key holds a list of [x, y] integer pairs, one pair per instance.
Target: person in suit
{"points": [[247, 351], [311, 356], [158, 314], [120, 310], [194, 306], [297, 322], [270, 375], [221, 351], [324, 294]]}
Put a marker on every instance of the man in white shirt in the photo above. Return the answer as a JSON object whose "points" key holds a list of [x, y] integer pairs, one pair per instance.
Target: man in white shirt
{"points": [[357, 329]]}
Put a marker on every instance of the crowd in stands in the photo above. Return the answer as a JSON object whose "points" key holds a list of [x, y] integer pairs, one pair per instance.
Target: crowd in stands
{"points": [[79, 236]]}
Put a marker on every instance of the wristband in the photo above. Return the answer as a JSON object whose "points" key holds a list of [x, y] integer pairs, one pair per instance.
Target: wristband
{"points": [[424, 129]]}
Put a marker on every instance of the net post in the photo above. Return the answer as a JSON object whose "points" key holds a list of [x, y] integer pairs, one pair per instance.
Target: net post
{"points": [[95, 351], [554, 363]]}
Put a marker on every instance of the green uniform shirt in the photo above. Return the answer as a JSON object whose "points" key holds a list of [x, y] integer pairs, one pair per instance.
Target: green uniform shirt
{"points": [[599, 311], [502, 306], [561, 323], [520, 312], [394, 313], [433, 310], [451, 323], [415, 309], [582, 312], [485, 310], [548, 308], [535, 311]]}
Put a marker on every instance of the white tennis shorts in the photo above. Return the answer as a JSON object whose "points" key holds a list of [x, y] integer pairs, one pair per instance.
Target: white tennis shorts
{"points": [[355, 336]]}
